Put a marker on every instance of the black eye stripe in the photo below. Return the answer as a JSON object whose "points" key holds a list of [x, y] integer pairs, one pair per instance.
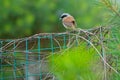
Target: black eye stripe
{"points": [[63, 16]]}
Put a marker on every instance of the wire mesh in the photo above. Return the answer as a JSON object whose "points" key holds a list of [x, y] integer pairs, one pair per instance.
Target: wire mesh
{"points": [[19, 57], [25, 58]]}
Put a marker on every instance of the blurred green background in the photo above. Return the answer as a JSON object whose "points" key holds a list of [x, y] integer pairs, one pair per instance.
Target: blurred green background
{"points": [[20, 18]]}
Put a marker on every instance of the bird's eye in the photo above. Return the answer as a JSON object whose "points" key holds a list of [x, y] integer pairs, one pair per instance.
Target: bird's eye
{"points": [[73, 22]]}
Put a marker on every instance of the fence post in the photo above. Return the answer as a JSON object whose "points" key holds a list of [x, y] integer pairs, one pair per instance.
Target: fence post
{"points": [[39, 50], [14, 53], [103, 53], [26, 64], [1, 67]]}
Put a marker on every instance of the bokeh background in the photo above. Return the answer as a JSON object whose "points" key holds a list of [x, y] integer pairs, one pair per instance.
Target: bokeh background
{"points": [[21, 18]]}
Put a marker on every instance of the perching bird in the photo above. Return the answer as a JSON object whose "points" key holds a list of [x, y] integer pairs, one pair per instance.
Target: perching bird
{"points": [[68, 21]]}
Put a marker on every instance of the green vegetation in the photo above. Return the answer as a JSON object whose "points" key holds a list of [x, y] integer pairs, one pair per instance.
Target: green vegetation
{"points": [[78, 63], [21, 18], [75, 64]]}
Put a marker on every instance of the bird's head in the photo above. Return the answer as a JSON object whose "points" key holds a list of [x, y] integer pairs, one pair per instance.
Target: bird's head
{"points": [[64, 15]]}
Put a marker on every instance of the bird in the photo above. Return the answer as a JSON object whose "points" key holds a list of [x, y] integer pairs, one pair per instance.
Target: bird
{"points": [[68, 21]]}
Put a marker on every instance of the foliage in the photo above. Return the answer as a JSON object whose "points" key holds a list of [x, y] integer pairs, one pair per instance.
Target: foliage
{"points": [[75, 64], [19, 18], [113, 44]]}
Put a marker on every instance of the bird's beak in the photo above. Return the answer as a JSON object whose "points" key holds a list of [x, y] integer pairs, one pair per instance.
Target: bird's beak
{"points": [[60, 18]]}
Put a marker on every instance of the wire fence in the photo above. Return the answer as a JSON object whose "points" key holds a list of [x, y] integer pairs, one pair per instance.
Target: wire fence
{"points": [[26, 58]]}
